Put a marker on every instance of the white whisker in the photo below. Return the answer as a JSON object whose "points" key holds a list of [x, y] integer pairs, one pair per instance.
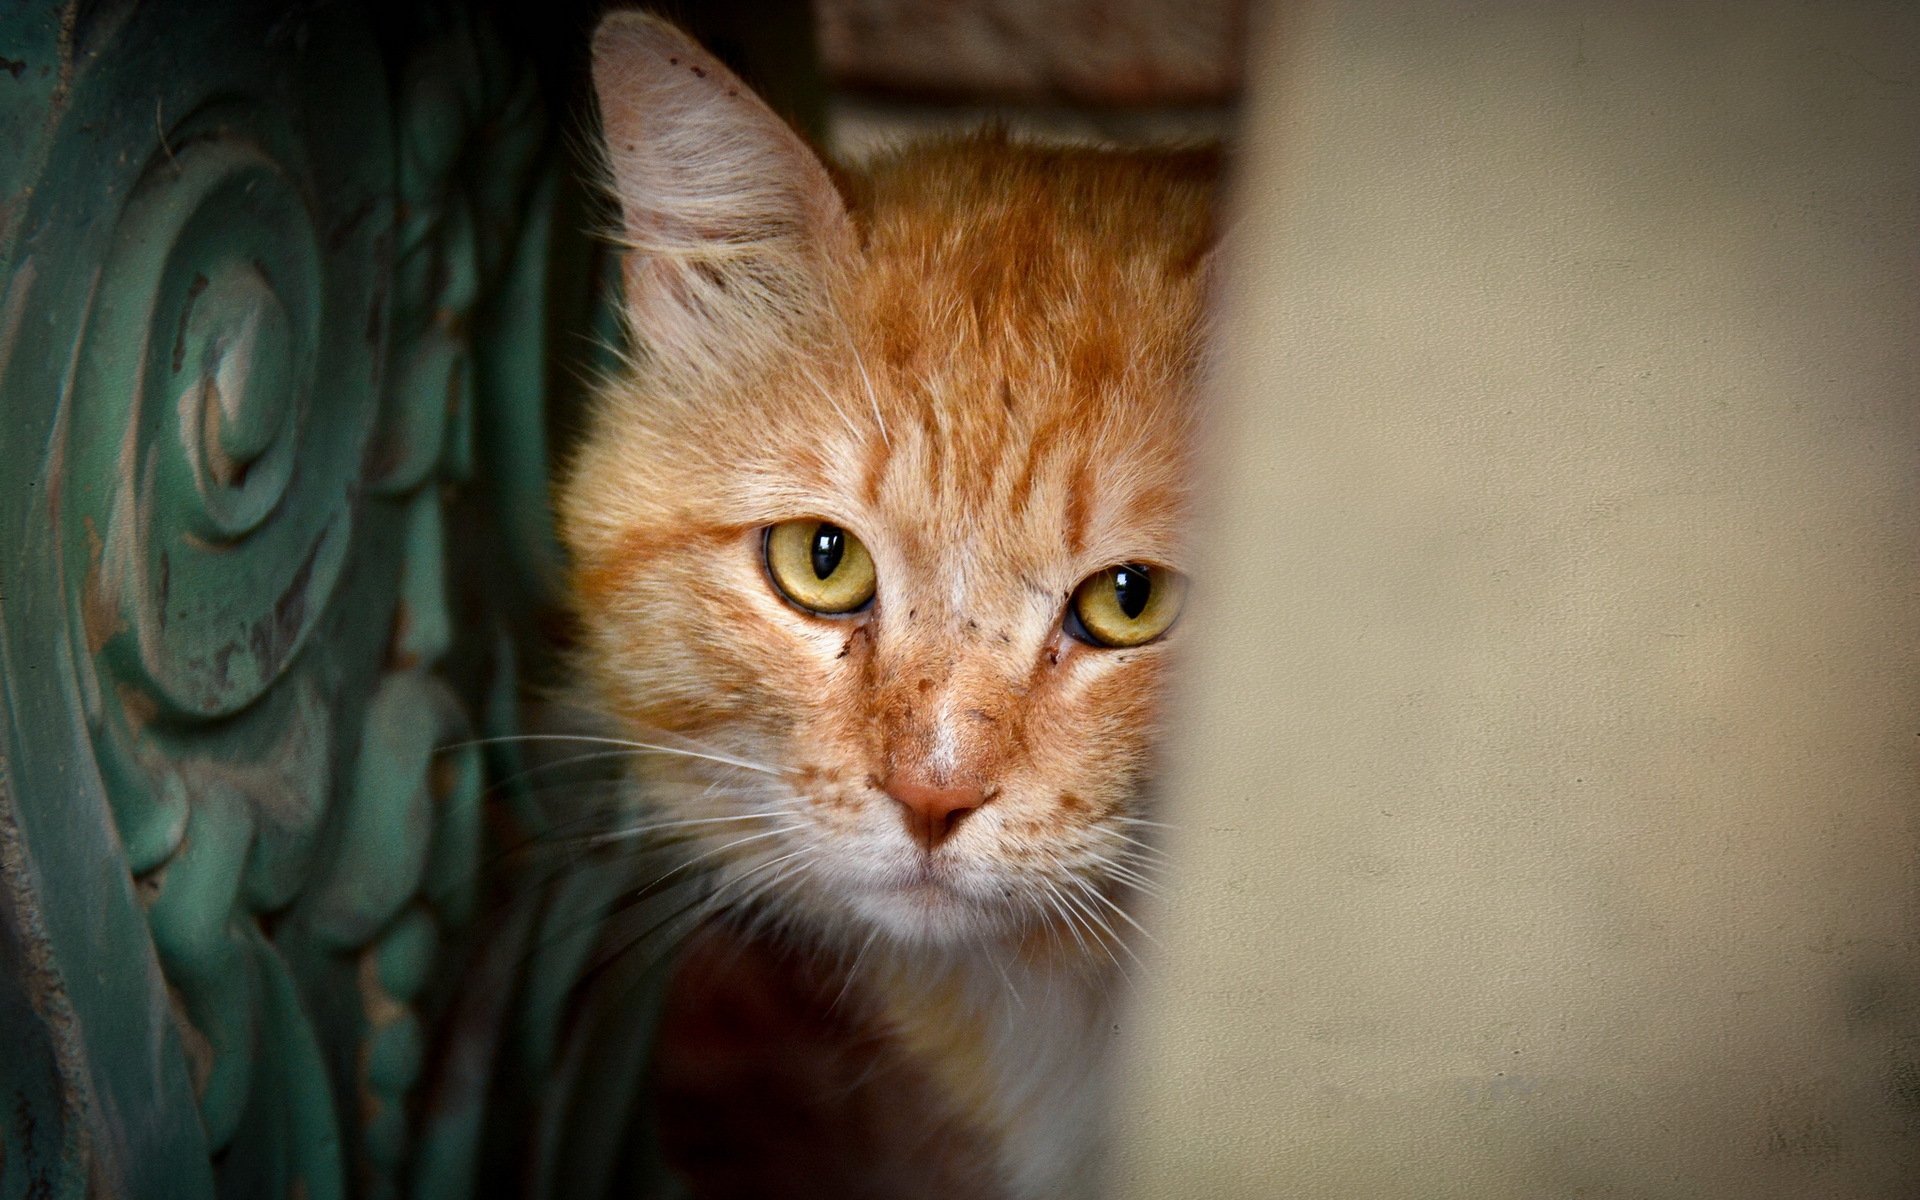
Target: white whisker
{"points": [[746, 899], [1124, 874], [1126, 916], [1006, 980], [1073, 926], [1144, 851], [855, 968], [648, 747], [719, 850], [1099, 926], [638, 831]]}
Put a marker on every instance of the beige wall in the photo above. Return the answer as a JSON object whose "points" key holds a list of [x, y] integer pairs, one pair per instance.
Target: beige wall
{"points": [[1546, 804]]}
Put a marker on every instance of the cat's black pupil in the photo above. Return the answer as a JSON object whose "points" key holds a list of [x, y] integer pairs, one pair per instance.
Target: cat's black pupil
{"points": [[829, 544], [1131, 588]]}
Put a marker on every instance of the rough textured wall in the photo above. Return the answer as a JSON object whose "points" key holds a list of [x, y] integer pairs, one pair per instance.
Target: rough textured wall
{"points": [[1087, 51], [1547, 803]]}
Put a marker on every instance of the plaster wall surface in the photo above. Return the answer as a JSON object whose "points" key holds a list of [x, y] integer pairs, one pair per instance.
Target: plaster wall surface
{"points": [[1544, 787]]}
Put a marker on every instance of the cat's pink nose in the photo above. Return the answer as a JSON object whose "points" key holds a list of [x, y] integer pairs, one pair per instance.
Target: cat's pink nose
{"points": [[932, 812]]}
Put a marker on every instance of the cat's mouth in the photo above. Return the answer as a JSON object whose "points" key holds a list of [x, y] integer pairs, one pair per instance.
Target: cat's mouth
{"points": [[926, 900], [927, 878]]}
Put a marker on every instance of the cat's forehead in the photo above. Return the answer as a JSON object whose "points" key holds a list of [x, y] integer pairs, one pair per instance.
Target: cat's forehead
{"points": [[1021, 337], [1004, 388]]}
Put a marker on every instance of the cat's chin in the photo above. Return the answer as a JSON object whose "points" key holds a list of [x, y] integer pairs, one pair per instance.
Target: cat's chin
{"points": [[928, 912]]}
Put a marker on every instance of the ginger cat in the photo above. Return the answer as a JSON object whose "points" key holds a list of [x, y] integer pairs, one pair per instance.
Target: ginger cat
{"points": [[883, 531]]}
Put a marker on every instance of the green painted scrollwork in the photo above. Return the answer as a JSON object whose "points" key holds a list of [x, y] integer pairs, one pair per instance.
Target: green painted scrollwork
{"points": [[290, 294], [239, 802], [190, 270]]}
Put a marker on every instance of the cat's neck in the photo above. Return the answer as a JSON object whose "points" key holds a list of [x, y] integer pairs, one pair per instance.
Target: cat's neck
{"points": [[1019, 1037]]}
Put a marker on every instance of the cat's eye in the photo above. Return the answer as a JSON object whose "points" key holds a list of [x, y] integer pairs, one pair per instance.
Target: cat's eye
{"points": [[819, 566], [1128, 605]]}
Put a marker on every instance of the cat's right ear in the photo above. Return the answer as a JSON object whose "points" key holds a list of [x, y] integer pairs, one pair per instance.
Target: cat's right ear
{"points": [[733, 227]]}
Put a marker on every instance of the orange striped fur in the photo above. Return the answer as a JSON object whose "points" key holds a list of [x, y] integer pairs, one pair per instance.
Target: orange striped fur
{"points": [[979, 357]]}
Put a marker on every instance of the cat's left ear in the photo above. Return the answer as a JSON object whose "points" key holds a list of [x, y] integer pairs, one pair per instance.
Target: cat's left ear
{"points": [[734, 228]]}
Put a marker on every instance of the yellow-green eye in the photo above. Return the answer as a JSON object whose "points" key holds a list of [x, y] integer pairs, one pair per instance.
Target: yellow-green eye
{"points": [[819, 566], [1127, 605]]}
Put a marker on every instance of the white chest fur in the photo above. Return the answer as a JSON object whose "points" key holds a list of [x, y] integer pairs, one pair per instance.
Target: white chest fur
{"points": [[1023, 1049]]}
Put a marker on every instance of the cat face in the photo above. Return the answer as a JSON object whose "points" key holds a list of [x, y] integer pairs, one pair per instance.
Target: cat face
{"points": [[887, 523]]}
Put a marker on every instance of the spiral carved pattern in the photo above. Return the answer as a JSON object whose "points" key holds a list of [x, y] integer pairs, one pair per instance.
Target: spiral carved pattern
{"points": [[254, 386], [272, 346], [209, 557], [217, 425]]}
